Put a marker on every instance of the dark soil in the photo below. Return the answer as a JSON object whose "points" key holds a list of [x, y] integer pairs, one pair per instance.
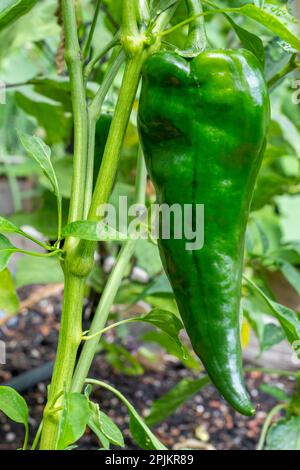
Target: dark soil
{"points": [[204, 422]]}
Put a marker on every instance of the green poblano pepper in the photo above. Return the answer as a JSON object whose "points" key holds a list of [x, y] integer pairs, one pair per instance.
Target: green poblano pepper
{"points": [[203, 125]]}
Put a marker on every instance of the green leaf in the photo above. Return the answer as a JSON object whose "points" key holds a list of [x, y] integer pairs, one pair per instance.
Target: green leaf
{"points": [[75, 416], [284, 435], [275, 392], [111, 430], [248, 40], [276, 19], [163, 5], [49, 113], [138, 428], [177, 396], [9, 300], [8, 227], [13, 405], [30, 271], [292, 275], [6, 251], [272, 334], [148, 257], [166, 322], [142, 434], [181, 352], [12, 10], [94, 425], [121, 359], [41, 153], [160, 285], [286, 317], [93, 231]]}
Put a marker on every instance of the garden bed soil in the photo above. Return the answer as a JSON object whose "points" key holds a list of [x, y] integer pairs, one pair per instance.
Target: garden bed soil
{"points": [[204, 422]]}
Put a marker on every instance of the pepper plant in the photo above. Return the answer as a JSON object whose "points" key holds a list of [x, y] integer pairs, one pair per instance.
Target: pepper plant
{"points": [[194, 98]]}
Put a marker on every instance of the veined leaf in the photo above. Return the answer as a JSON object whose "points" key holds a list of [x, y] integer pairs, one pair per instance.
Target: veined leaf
{"points": [[12, 10]]}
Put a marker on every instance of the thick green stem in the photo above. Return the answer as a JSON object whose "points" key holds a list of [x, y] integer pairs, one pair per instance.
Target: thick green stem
{"points": [[100, 318], [83, 254], [93, 116], [110, 291], [69, 340], [116, 135], [196, 40], [75, 68]]}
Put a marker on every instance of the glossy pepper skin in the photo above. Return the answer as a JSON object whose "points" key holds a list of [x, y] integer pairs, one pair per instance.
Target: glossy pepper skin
{"points": [[203, 125]]}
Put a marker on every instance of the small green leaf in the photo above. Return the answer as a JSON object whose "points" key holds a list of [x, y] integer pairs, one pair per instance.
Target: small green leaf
{"points": [[284, 435], [111, 430], [138, 428], [94, 425], [248, 40], [142, 434], [6, 251], [13, 405], [177, 396], [182, 352], [12, 10], [9, 300], [166, 322], [275, 392], [41, 153], [8, 227], [93, 231], [292, 275], [286, 317], [272, 334], [121, 359], [30, 270], [75, 416]]}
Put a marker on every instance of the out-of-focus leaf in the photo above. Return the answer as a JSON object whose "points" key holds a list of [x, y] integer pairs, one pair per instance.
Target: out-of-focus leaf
{"points": [[121, 359], [274, 392], [12, 10], [9, 300], [292, 275], [284, 435], [148, 257], [7, 249], [286, 317], [181, 352], [289, 207], [272, 334], [177, 396], [50, 114], [31, 270], [41, 153]]}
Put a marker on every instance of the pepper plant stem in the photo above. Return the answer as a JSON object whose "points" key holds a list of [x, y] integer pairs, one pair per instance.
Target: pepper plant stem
{"points": [[69, 340], [93, 116], [73, 59], [110, 291]]}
